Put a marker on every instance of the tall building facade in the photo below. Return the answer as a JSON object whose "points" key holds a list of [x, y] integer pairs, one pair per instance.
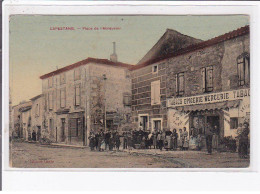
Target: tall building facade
{"points": [[90, 95]]}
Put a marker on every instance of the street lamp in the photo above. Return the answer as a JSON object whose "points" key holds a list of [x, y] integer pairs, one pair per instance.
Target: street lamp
{"points": [[105, 116]]}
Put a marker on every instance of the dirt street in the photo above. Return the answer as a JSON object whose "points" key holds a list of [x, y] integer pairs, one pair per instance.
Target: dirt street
{"points": [[28, 155]]}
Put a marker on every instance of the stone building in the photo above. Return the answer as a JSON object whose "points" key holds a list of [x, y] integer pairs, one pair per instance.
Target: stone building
{"points": [[37, 113], [20, 118], [92, 94], [202, 82], [209, 83], [149, 109]]}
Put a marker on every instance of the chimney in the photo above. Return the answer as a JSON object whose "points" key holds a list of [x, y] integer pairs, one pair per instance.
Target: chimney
{"points": [[113, 57]]}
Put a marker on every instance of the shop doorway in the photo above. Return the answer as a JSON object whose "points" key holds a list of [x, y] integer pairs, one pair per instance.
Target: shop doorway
{"points": [[156, 125], [143, 122], [214, 121], [62, 129]]}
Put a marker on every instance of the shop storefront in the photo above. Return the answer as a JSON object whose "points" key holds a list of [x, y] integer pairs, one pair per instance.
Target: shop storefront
{"points": [[225, 110]]}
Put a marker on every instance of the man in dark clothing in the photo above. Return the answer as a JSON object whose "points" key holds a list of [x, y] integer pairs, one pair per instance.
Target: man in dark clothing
{"points": [[117, 141], [209, 134], [34, 135], [125, 141], [107, 137], [243, 141]]}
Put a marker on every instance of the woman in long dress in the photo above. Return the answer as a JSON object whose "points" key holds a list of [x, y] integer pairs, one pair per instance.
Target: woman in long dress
{"points": [[185, 139], [215, 138]]}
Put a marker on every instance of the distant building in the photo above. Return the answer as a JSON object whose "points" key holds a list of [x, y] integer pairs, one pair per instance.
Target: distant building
{"points": [[37, 114], [19, 123]]}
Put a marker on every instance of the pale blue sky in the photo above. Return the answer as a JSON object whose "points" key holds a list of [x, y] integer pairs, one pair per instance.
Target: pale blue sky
{"points": [[36, 50]]}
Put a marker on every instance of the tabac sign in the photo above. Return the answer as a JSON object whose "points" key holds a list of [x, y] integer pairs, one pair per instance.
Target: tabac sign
{"points": [[209, 98]]}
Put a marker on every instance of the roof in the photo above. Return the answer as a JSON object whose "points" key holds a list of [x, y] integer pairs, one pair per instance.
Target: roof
{"points": [[84, 62], [25, 109], [170, 42], [36, 97], [230, 35]]}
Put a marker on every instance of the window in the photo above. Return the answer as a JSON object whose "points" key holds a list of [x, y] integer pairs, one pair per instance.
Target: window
{"points": [[243, 69], [234, 123], [155, 92], [37, 110], [50, 82], [62, 78], [63, 98], [155, 68], [180, 84], [50, 100], [207, 79], [127, 99], [77, 74], [77, 95]]}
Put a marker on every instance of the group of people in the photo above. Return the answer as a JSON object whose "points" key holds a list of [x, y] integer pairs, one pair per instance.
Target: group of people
{"points": [[102, 141], [169, 140], [140, 139]]}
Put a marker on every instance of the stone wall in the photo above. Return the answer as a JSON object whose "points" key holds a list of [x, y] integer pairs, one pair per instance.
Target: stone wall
{"points": [[141, 93]]}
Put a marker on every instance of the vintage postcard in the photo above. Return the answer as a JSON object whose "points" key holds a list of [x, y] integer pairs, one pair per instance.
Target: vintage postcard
{"points": [[129, 91]]}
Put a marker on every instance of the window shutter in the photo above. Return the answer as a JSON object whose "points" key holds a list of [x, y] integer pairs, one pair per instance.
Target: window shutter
{"points": [[176, 84], [209, 78], [157, 92], [152, 93], [203, 74]]}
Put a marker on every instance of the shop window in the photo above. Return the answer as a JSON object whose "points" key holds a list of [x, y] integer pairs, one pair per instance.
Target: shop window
{"points": [[63, 98], [155, 68], [50, 82], [179, 84], [155, 92], [207, 79], [62, 78], [77, 74], [77, 95], [127, 99], [243, 69], [50, 100], [234, 123]]}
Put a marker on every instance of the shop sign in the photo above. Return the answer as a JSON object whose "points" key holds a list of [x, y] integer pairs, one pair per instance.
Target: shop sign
{"points": [[209, 98]]}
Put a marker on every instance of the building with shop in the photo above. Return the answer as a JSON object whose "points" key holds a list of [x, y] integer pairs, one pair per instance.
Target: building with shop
{"points": [[90, 95], [210, 83], [204, 82]]}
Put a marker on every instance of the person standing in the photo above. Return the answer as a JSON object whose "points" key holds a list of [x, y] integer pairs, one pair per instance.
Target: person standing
{"points": [[175, 139], [34, 135], [159, 140], [185, 139], [125, 140], [180, 142], [107, 137], [129, 141], [209, 134], [243, 141], [154, 140], [215, 137], [117, 138]]}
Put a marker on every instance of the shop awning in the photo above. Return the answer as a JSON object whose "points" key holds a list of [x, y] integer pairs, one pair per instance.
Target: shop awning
{"points": [[210, 106]]}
